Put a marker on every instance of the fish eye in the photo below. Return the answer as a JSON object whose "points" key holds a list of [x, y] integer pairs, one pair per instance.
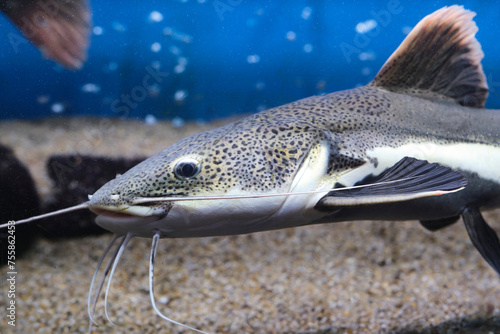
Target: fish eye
{"points": [[187, 168]]}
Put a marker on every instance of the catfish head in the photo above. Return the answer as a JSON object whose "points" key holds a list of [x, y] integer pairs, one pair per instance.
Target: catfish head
{"points": [[231, 180]]}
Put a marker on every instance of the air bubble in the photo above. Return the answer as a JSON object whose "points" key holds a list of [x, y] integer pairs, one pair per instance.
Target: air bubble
{"points": [[155, 16], [306, 13], [366, 26], [253, 59], [42, 99], [178, 122], [57, 108], [117, 26], [98, 31], [364, 56], [91, 88], [156, 47], [180, 95], [150, 119]]}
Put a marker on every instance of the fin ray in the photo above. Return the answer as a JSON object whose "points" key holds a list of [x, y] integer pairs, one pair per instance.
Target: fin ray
{"points": [[440, 55], [483, 237], [408, 179]]}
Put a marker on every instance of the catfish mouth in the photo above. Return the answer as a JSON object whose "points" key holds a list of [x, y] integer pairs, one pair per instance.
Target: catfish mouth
{"points": [[135, 220], [128, 211], [111, 214], [129, 216]]}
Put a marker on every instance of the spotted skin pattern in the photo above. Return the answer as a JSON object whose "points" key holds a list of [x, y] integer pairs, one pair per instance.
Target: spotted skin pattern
{"points": [[259, 153]]}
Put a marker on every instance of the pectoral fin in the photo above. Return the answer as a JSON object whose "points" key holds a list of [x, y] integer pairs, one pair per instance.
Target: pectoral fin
{"points": [[408, 179], [483, 237]]}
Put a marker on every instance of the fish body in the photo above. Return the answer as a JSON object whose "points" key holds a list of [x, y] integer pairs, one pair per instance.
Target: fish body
{"points": [[328, 142], [316, 143], [424, 105]]}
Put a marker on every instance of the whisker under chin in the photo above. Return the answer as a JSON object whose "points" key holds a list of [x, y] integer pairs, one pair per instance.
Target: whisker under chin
{"points": [[110, 269], [122, 245], [111, 265], [91, 311], [154, 247]]}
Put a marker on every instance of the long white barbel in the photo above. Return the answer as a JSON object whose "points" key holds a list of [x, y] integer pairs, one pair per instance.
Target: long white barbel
{"points": [[46, 215]]}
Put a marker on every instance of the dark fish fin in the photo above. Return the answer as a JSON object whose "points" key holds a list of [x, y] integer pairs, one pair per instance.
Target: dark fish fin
{"points": [[408, 179], [437, 224], [483, 237], [440, 57], [60, 28]]}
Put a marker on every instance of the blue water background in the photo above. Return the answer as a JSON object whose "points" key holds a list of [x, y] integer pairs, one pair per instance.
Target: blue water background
{"points": [[223, 58]]}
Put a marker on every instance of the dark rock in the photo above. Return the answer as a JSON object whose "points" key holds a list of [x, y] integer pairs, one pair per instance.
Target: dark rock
{"points": [[75, 177], [18, 200]]}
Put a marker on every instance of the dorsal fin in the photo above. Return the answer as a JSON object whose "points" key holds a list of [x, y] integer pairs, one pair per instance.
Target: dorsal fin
{"points": [[440, 55]]}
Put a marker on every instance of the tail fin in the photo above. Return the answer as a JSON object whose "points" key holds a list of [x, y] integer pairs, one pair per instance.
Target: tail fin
{"points": [[60, 28]]}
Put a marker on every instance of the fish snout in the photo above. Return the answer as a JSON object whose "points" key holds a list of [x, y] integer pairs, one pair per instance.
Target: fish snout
{"points": [[112, 202], [117, 213]]}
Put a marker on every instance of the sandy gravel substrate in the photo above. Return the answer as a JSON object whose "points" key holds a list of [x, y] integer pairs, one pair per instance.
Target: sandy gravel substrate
{"points": [[353, 277]]}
